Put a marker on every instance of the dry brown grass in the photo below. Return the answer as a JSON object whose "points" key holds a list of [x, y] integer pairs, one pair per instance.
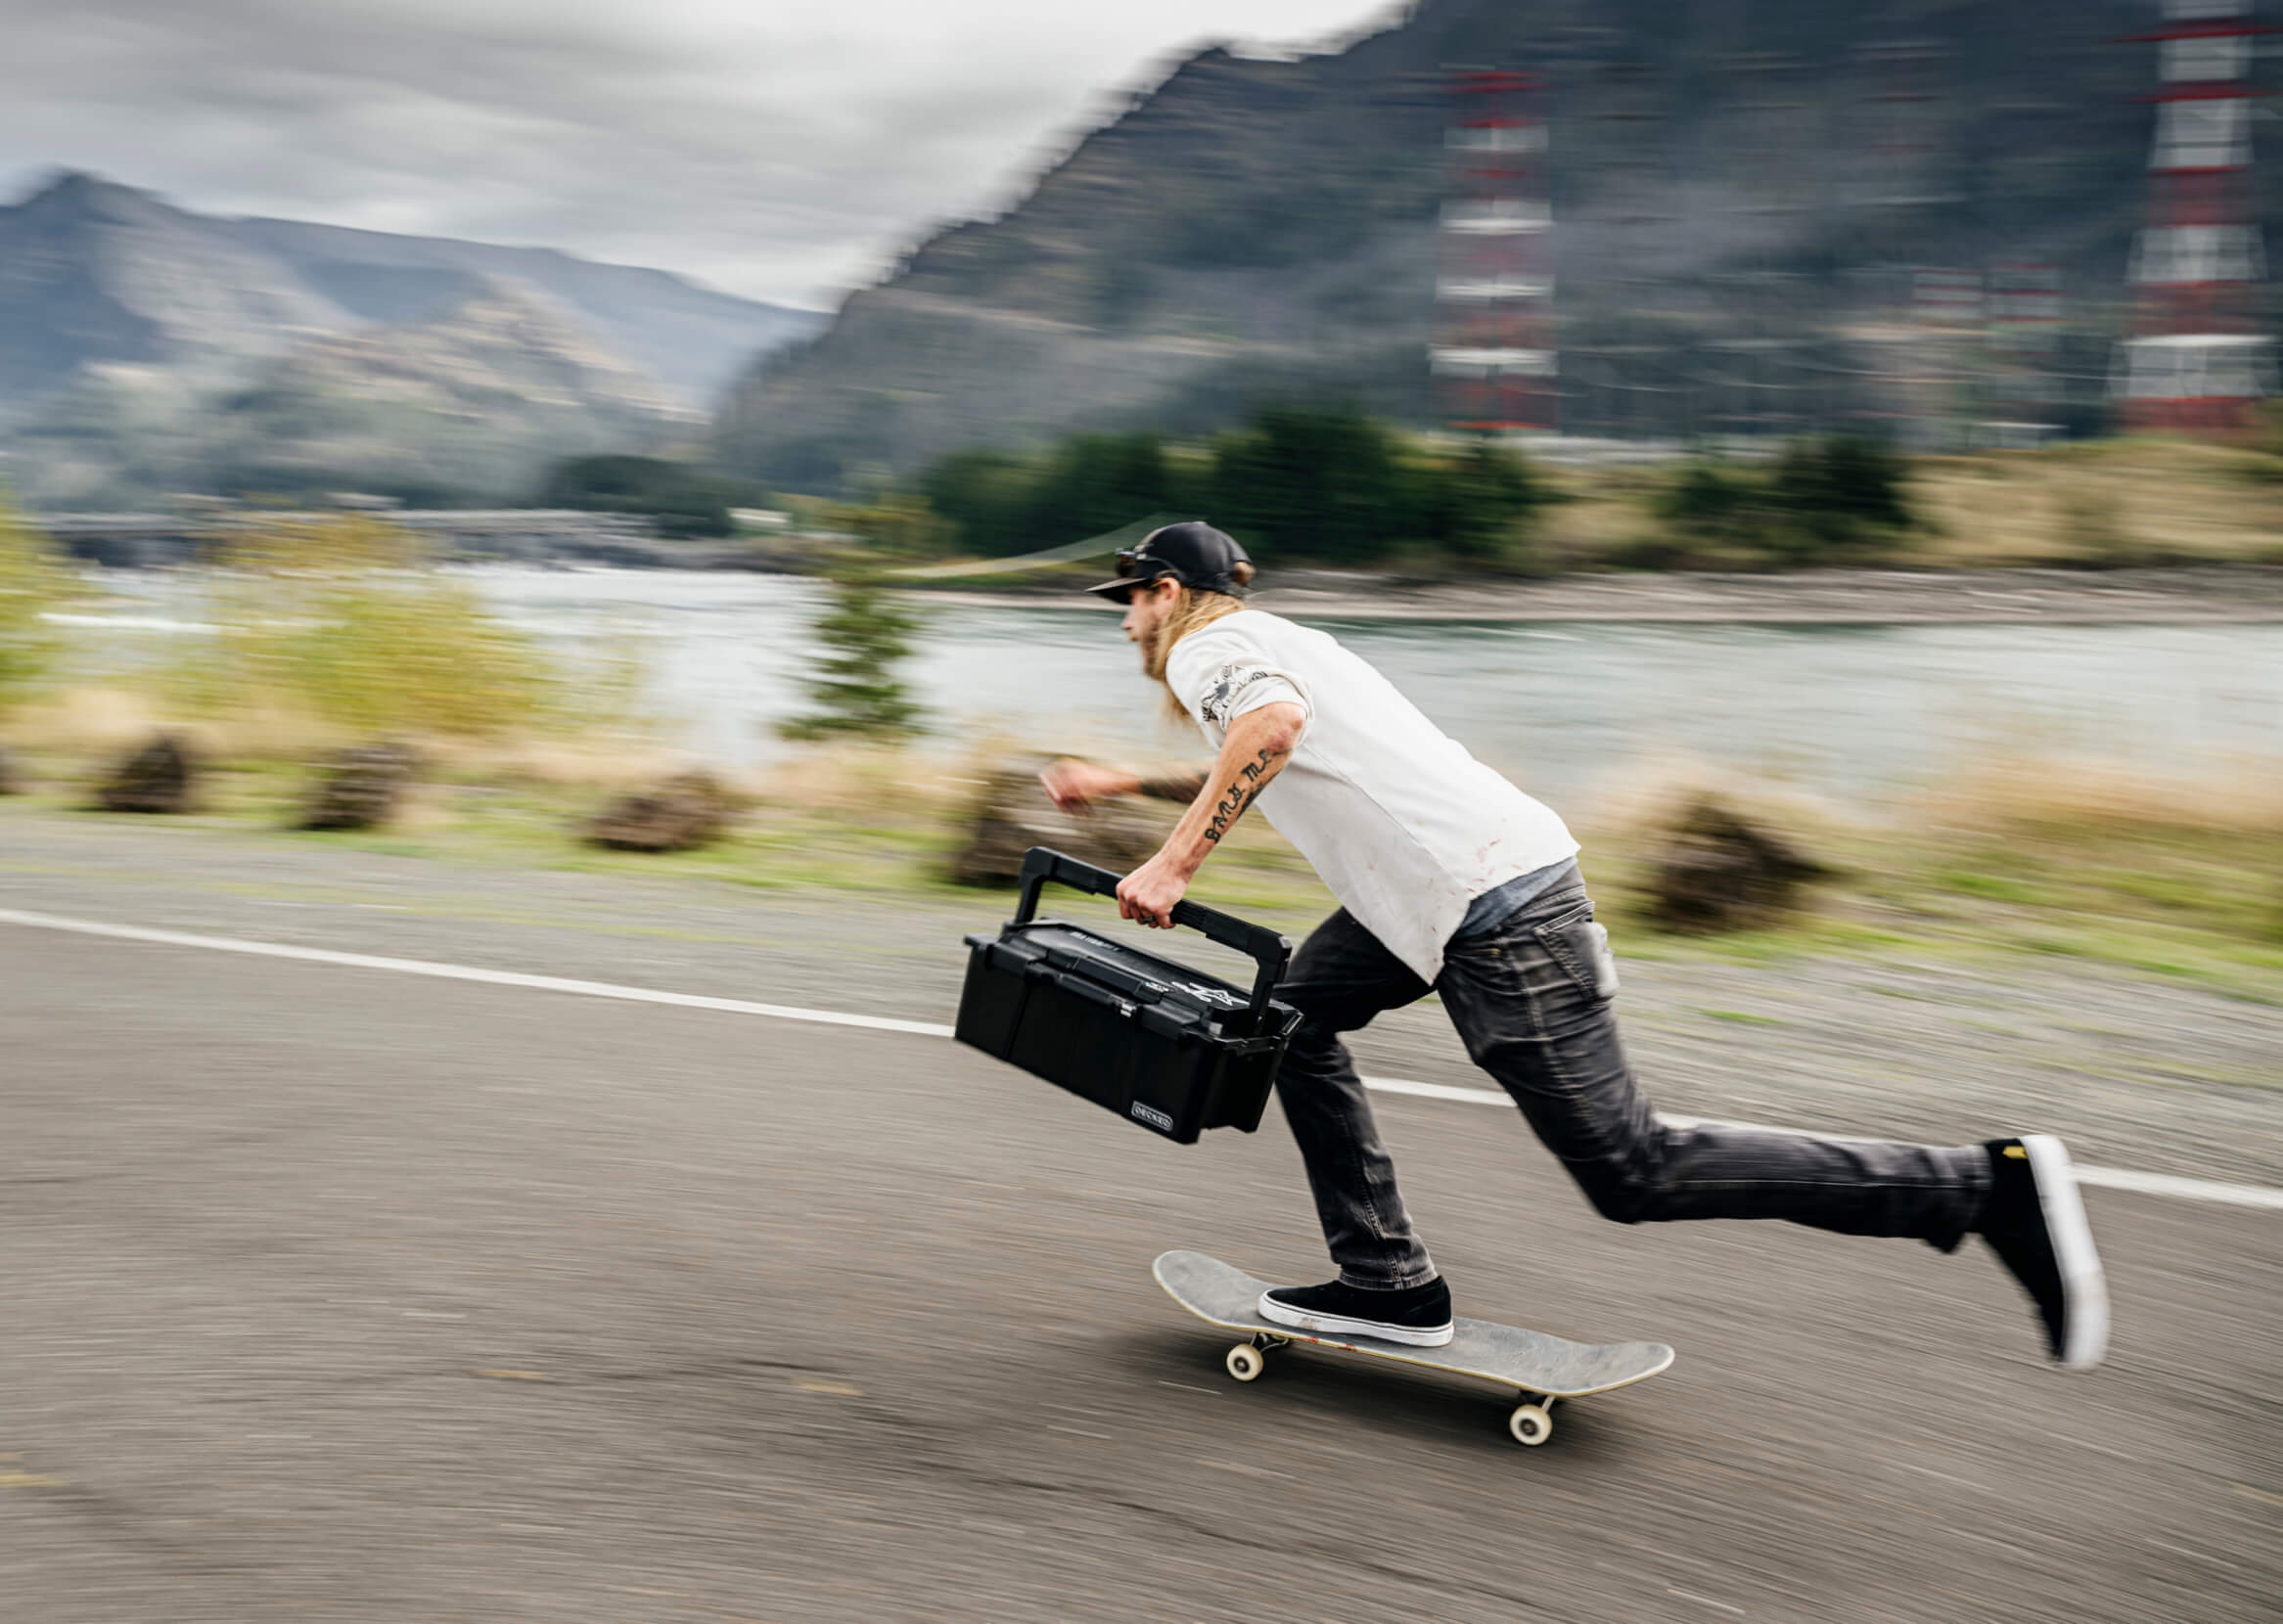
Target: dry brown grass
{"points": [[2104, 504], [2137, 501], [1986, 795], [874, 783], [1994, 794], [602, 760], [1631, 808], [86, 724], [1602, 511]]}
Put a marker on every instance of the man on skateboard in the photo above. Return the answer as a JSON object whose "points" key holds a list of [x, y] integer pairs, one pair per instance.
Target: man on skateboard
{"points": [[1452, 880]]}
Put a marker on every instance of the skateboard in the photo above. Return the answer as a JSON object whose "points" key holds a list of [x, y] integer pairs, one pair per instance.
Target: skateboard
{"points": [[1542, 1368]]}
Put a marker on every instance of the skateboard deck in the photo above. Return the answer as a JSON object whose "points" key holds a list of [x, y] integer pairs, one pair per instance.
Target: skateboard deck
{"points": [[1540, 1367]]}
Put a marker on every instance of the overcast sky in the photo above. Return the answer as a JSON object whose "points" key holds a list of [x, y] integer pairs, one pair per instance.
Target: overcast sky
{"points": [[776, 150]]}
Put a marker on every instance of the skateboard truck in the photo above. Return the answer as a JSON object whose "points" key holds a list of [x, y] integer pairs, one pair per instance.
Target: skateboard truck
{"points": [[1532, 1423], [1247, 1360]]}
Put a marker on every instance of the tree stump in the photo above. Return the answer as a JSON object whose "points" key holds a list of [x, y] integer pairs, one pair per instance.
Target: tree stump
{"points": [[1718, 870], [362, 788], [1013, 815], [678, 814], [162, 777]]}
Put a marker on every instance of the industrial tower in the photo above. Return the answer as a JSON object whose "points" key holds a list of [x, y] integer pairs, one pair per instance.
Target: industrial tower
{"points": [[1493, 351], [2199, 358]]}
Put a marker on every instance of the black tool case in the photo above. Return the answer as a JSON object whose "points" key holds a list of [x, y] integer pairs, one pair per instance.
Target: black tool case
{"points": [[1159, 1043]]}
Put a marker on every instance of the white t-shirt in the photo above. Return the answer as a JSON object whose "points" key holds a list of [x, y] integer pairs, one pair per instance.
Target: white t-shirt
{"points": [[1403, 824]]}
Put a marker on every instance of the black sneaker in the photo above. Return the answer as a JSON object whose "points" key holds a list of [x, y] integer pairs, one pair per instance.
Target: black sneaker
{"points": [[1416, 1315], [2035, 1223]]}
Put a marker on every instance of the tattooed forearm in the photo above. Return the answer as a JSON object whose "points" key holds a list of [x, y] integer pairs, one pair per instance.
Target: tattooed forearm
{"points": [[1250, 777], [1175, 787], [1257, 746]]}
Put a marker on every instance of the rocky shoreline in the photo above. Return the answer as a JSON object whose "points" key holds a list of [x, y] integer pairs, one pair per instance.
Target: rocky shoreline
{"points": [[2214, 594]]}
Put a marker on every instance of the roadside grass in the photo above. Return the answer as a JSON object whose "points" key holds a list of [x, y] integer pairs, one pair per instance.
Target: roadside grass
{"points": [[2180, 878], [863, 822], [2206, 912]]}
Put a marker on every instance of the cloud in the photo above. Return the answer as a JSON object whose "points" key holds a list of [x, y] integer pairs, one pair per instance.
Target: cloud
{"points": [[786, 152]]}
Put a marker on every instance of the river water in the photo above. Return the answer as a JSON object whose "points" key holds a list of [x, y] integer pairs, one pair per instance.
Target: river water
{"points": [[1853, 711]]}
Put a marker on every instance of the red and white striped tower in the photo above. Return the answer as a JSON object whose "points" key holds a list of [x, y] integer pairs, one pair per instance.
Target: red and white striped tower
{"points": [[1493, 351], [2198, 359]]}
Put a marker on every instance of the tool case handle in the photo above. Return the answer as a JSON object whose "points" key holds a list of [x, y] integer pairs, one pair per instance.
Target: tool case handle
{"points": [[1266, 948]]}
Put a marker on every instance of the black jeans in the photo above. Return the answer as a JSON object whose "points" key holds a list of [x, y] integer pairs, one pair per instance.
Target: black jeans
{"points": [[1523, 996]]}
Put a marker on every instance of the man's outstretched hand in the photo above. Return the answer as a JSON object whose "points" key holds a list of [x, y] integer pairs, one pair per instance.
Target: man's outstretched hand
{"points": [[1075, 785], [1148, 894]]}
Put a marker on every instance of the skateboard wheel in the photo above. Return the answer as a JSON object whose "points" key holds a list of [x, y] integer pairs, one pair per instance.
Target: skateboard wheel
{"points": [[1531, 1424], [1246, 1362]]}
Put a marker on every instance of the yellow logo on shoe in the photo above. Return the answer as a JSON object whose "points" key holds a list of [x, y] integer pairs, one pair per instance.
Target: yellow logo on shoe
{"points": [[2018, 1153]]}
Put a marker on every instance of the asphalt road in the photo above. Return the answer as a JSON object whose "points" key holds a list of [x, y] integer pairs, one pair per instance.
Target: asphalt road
{"points": [[339, 1294]]}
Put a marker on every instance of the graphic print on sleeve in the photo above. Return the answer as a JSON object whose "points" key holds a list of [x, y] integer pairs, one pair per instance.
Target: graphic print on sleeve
{"points": [[1232, 682]]}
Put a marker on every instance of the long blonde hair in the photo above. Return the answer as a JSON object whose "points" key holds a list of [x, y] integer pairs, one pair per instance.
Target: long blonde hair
{"points": [[1196, 609]]}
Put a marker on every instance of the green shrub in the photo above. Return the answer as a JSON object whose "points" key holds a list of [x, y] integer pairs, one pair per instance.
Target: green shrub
{"points": [[857, 690], [1095, 483], [341, 620], [34, 579], [1706, 500], [986, 495], [1476, 505], [1858, 479], [1657, 550], [1320, 486], [1838, 496], [1002, 503], [1834, 499]]}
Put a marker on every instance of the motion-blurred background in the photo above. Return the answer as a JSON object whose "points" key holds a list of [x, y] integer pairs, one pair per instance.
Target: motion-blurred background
{"points": [[594, 490], [1619, 355]]}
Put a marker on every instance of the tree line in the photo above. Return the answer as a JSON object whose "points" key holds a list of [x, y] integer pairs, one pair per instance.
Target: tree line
{"points": [[1294, 484]]}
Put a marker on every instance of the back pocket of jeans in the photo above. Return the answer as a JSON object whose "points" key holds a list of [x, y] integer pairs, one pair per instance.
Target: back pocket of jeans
{"points": [[1580, 946]]}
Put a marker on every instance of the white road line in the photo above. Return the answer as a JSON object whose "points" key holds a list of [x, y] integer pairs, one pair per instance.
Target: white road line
{"points": [[2105, 1178], [469, 972]]}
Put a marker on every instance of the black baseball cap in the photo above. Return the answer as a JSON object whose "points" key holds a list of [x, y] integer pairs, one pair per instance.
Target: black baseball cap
{"points": [[1192, 553]]}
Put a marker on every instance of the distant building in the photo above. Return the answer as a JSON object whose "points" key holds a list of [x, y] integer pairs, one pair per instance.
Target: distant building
{"points": [[2199, 358]]}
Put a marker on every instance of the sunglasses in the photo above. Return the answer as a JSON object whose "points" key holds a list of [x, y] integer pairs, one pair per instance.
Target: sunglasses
{"points": [[1132, 561]]}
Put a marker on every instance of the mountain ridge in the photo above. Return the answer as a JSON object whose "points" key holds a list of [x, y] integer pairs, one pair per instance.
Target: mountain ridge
{"points": [[690, 335], [1728, 178], [146, 350]]}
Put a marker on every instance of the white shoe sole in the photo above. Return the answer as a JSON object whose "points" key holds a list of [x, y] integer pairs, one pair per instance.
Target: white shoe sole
{"points": [[1334, 1324], [2084, 1289]]}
